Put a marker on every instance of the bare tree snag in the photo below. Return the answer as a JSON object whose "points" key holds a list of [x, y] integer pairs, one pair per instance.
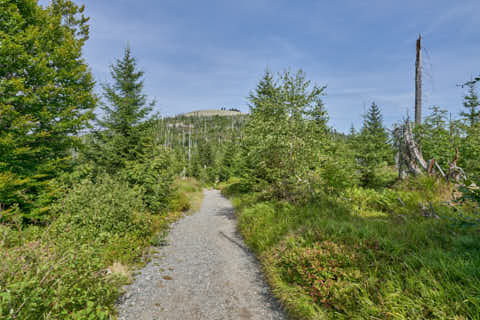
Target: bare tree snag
{"points": [[408, 154], [410, 160], [418, 82], [415, 155], [456, 173], [431, 164]]}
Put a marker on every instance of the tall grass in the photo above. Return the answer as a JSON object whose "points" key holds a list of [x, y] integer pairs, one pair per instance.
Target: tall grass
{"points": [[367, 255]]}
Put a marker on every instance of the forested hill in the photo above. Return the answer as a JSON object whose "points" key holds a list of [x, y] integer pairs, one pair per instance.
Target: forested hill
{"points": [[214, 112], [200, 139]]}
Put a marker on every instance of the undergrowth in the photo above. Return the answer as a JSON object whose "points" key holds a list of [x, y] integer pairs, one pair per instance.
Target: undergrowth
{"points": [[73, 268], [396, 253]]}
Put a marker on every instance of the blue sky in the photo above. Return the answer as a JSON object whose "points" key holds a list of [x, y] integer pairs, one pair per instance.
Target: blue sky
{"points": [[211, 53]]}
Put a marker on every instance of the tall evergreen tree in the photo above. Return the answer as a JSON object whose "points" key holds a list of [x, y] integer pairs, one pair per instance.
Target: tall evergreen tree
{"points": [[435, 138], [205, 154], [373, 123], [126, 103], [227, 165], [372, 144], [46, 96], [472, 104], [125, 108], [352, 132]]}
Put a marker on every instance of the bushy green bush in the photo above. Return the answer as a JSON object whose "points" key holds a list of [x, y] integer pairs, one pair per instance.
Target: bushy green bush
{"points": [[179, 202], [285, 134], [337, 171], [107, 208], [154, 178], [66, 270], [42, 280], [60, 272]]}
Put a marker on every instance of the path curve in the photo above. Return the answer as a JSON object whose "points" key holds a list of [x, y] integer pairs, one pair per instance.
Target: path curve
{"points": [[205, 272]]}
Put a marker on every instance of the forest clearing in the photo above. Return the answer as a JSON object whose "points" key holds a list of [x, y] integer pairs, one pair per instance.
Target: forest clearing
{"points": [[111, 210]]}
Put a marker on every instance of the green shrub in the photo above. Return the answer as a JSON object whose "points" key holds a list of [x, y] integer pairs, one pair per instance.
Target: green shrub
{"points": [[154, 178], [179, 202], [39, 280], [60, 272], [336, 174], [107, 208]]}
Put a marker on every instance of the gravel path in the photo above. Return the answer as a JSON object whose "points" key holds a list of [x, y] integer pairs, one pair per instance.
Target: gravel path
{"points": [[205, 272]]}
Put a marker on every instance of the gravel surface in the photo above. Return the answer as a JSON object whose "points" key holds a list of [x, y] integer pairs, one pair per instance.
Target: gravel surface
{"points": [[204, 272]]}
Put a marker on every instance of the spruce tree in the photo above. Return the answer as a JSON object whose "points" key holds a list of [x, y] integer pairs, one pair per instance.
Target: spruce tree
{"points": [[228, 161], [372, 144], [471, 103], [126, 103], [435, 138], [285, 130], [352, 132], [469, 145], [46, 97], [125, 108], [373, 123]]}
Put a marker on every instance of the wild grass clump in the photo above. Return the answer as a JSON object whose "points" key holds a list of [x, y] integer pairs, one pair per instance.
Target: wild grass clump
{"points": [[368, 255]]}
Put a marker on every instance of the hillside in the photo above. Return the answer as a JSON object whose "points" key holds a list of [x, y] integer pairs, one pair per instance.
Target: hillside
{"points": [[212, 112]]}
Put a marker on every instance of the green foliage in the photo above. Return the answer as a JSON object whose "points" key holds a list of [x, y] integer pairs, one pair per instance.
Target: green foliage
{"points": [[469, 149], [154, 178], [337, 170], [365, 253], [285, 132], [205, 159], [471, 103], [46, 97], [228, 166], [108, 208], [122, 138], [126, 103], [371, 145], [62, 272], [438, 138], [66, 270], [471, 192]]}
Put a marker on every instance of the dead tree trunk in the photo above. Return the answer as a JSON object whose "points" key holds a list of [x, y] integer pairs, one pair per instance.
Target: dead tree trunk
{"points": [[410, 159], [418, 82], [455, 173]]}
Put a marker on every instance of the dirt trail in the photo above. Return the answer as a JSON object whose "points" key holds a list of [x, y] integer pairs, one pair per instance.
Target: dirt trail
{"points": [[205, 272]]}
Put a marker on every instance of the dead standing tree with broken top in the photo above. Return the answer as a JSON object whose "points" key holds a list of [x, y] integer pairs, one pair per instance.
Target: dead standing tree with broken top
{"points": [[410, 159]]}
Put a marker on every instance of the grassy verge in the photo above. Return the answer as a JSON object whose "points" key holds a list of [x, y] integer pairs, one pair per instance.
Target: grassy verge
{"points": [[367, 255], [74, 267], [187, 200]]}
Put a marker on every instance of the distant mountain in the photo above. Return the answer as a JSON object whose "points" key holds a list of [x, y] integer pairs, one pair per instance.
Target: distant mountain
{"points": [[212, 112]]}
